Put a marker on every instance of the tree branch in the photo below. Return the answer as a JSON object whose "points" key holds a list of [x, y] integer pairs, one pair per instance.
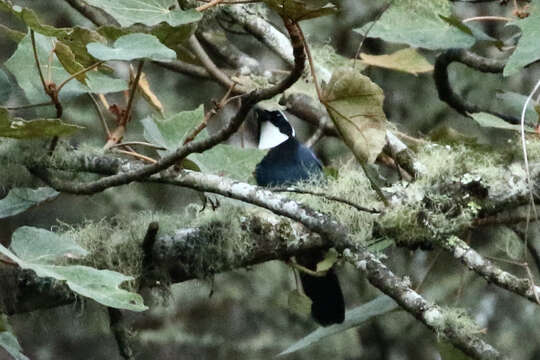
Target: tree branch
{"points": [[447, 94]]}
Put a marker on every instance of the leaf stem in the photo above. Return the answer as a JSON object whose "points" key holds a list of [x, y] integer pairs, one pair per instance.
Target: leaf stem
{"points": [[86, 69], [34, 49], [132, 92]]}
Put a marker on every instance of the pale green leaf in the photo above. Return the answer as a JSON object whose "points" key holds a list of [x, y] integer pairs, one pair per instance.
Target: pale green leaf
{"points": [[232, 161], [131, 47], [492, 121], [355, 104], [19, 200], [450, 352], [23, 66], [407, 60], [299, 304], [40, 246], [418, 23], [330, 258], [5, 87], [353, 318], [512, 103], [9, 342], [99, 285], [171, 132], [129, 12], [25, 129], [528, 47]]}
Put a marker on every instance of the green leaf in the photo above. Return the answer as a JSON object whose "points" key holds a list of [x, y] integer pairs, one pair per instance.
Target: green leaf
{"points": [[131, 47], [302, 10], [68, 61], [129, 12], [40, 246], [330, 258], [450, 352], [168, 35], [232, 161], [19, 200], [407, 60], [222, 159], [418, 23], [5, 87], [171, 132], [22, 129], [299, 304], [99, 285], [353, 318], [9, 342], [23, 66], [513, 104], [355, 104], [528, 48], [492, 121], [11, 34]]}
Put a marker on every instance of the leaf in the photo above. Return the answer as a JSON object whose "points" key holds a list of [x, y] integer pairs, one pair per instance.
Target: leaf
{"points": [[99, 285], [222, 159], [5, 87], [129, 12], [492, 121], [19, 200], [232, 161], [299, 304], [407, 60], [68, 61], [25, 129], [147, 93], [513, 104], [330, 258], [23, 66], [9, 342], [355, 104], [171, 132], [11, 34], [168, 35], [418, 23], [131, 47], [353, 318], [447, 351], [528, 48], [302, 10], [40, 246]]}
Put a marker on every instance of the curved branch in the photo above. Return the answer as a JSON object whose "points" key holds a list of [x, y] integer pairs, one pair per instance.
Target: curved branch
{"points": [[483, 267], [247, 102], [447, 94]]}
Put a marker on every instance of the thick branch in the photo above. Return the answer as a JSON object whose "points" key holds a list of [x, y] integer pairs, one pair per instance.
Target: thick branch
{"points": [[448, 95], [483, 267], [431, 315]]}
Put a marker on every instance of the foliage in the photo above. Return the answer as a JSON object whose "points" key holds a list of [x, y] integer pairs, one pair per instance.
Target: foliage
{"points": [[103, 257]]}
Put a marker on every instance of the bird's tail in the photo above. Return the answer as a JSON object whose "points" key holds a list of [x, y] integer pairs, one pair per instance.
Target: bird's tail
{"points": [[328, 304]]}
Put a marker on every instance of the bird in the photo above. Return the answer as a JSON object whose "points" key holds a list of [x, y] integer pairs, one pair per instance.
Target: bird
{"points": [[288, 162]]}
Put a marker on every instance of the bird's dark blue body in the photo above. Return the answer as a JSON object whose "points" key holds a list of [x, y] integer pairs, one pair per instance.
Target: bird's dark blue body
{"points": [[288, 163]]}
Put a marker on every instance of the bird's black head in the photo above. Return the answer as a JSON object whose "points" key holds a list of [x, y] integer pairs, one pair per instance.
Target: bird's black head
{"points": [[275, 128]]}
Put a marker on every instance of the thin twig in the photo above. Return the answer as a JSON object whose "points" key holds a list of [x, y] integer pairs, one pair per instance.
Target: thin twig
{"points": [[364, 36], [34, 49], [311, 63], [136, 155], [28, 106], [329, 197], [100, 115], [73, 76], [132, 92], [483, 18], [208, 5], [141, 143]]}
